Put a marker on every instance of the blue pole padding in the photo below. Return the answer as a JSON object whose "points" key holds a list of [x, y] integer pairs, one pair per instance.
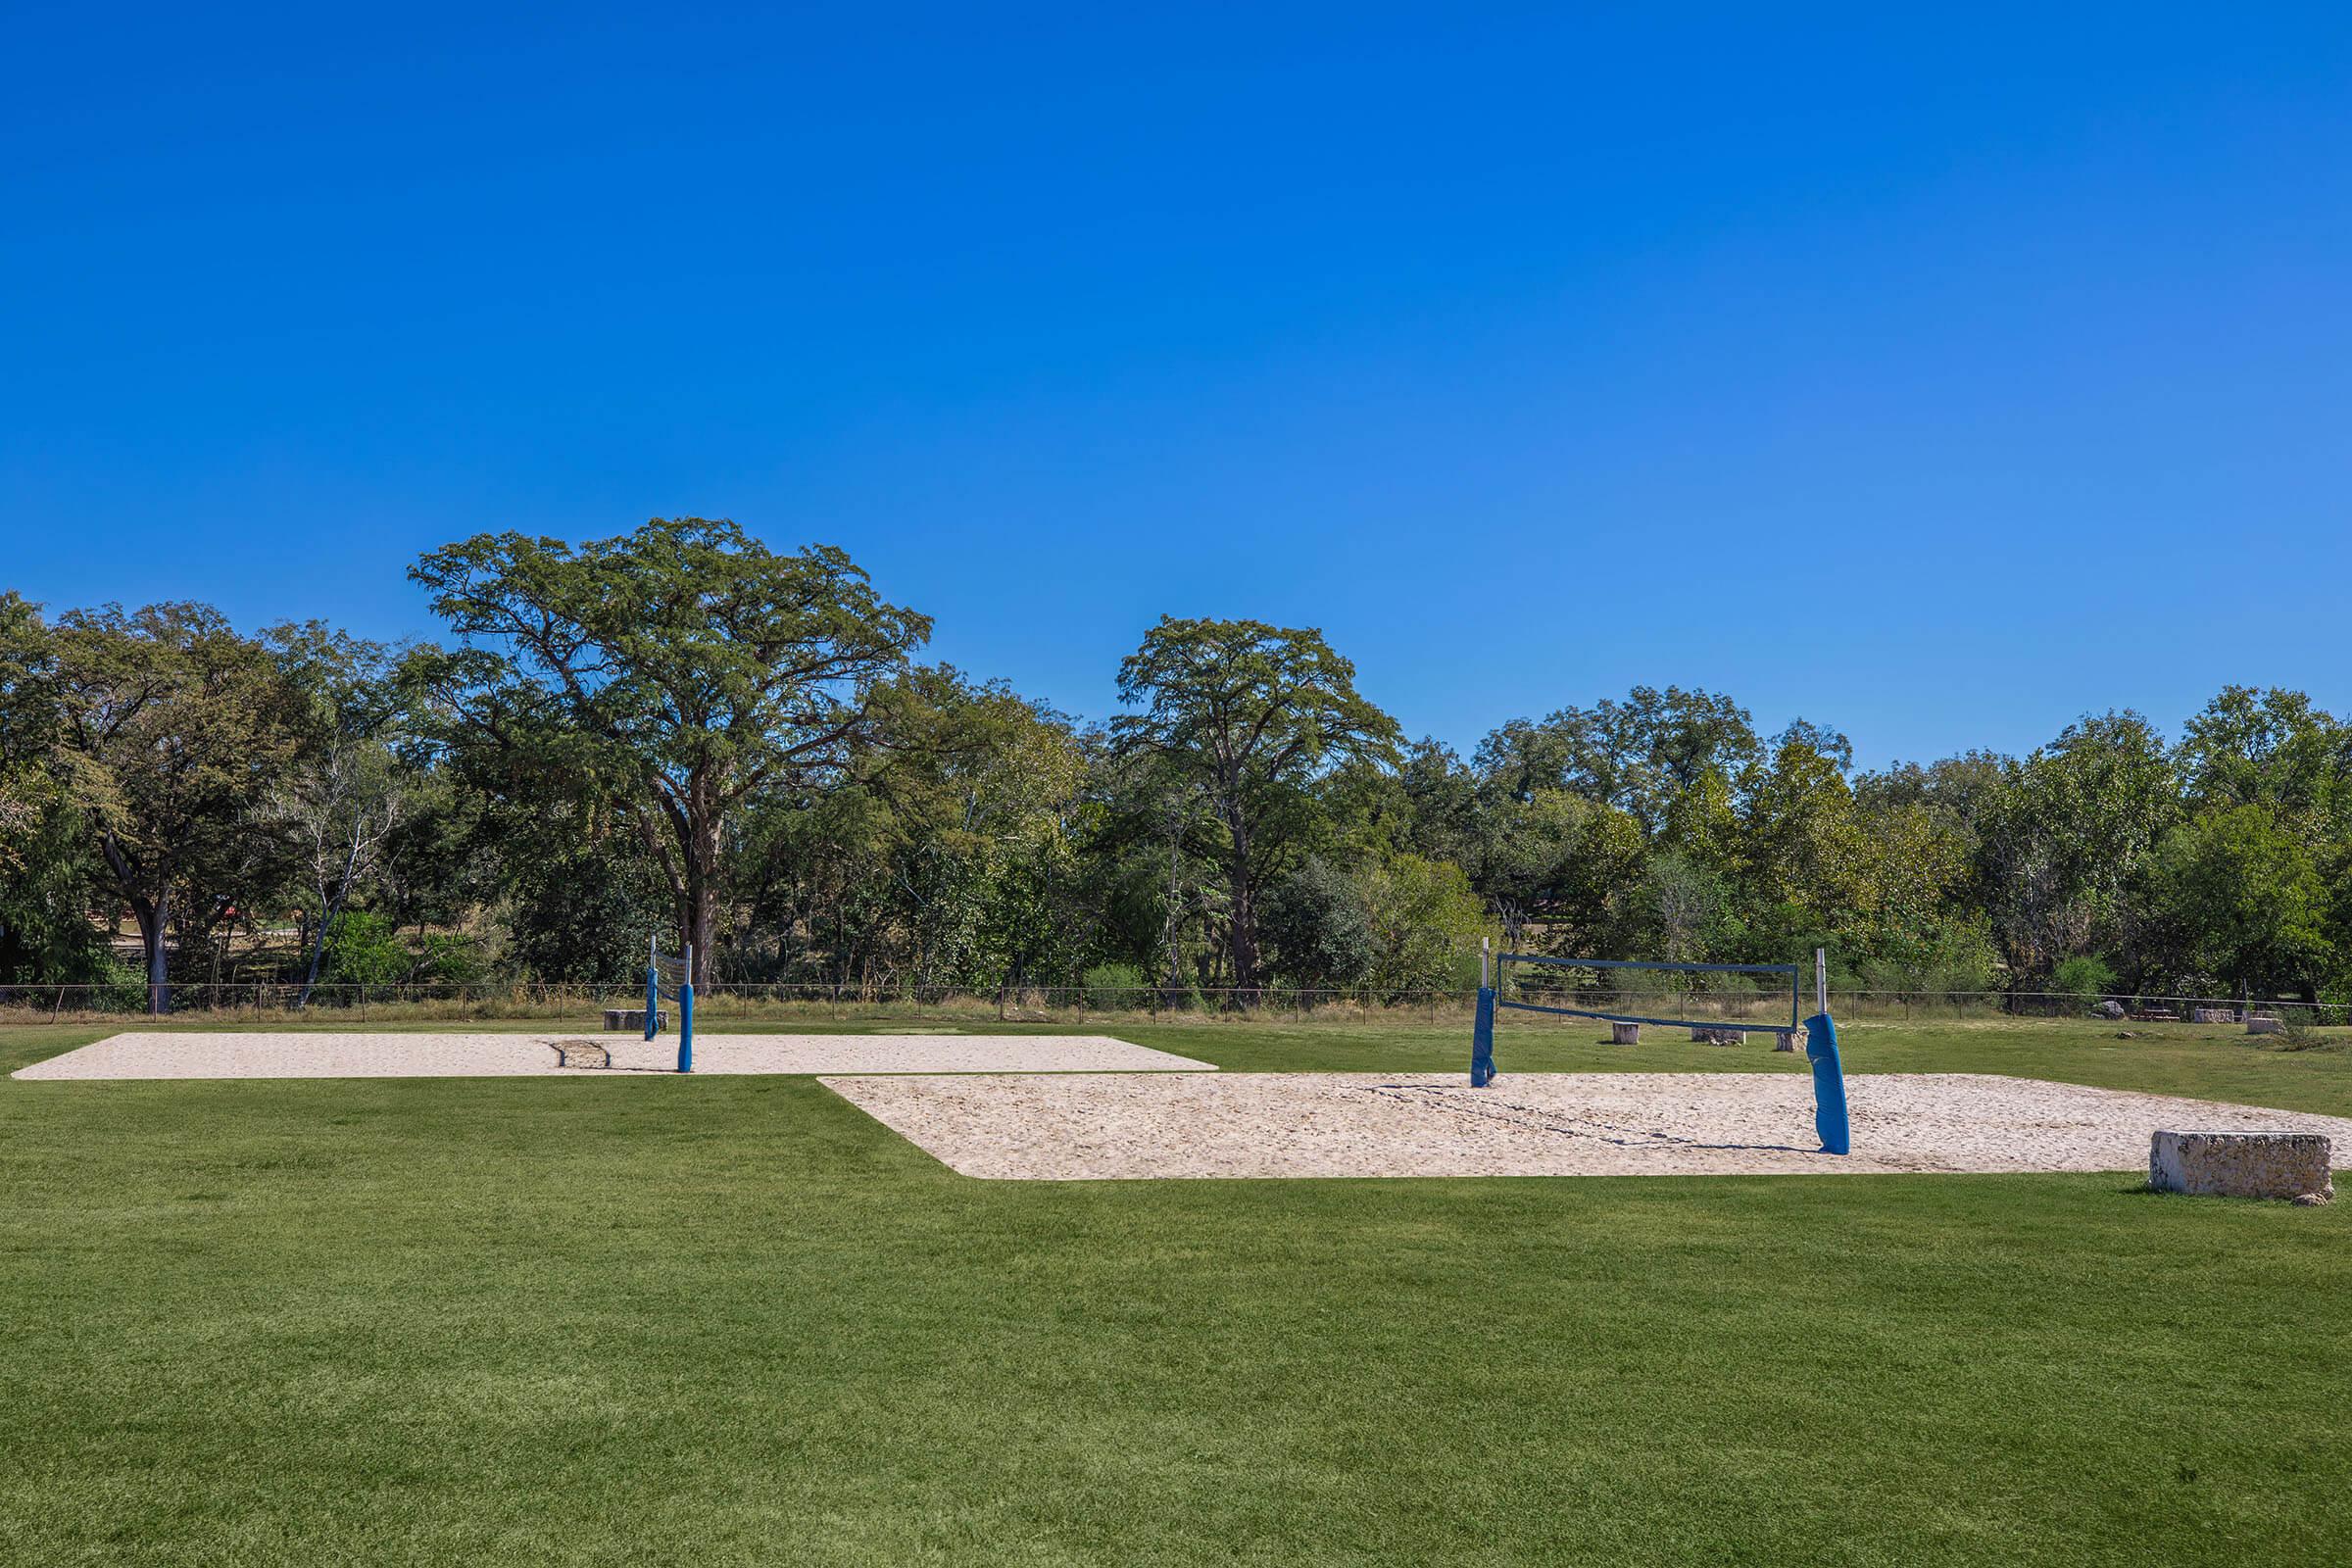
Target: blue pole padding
{"points": [[653, 997], [1482, 1041], [1829, 1085], [686, 1026]]}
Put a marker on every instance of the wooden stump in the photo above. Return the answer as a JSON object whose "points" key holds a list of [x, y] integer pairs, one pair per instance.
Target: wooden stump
{"points": [[1625, 1034]]}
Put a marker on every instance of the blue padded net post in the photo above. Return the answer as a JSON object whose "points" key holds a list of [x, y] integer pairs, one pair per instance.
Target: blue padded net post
{"points": [[1829, 1085], [1482, 1041], [686, 1013]]}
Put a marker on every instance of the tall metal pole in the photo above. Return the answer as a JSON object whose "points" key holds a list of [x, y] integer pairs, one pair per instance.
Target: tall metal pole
{"points": [[1821, 980]]}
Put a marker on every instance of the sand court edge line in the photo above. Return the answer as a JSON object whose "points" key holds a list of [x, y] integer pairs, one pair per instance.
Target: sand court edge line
{"points": [[156, 1054]]}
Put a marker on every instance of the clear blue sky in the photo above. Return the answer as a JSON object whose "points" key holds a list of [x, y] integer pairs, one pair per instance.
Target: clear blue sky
{"points": [[1936, 375]]}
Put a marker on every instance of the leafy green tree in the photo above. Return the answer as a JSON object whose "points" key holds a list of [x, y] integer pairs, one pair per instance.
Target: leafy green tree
{"points": [[576, 892], [1317, 930], [1686, 909], [1442, 804], [1636, 756], [2066, 838], [1802, 843], [1422, 917], [172, 727], [1249, 716], [438, 862], [362, 949], [2249, 899], [675, 671], [28, 726], [342, 797], [2271, 749], [1561, 863]]}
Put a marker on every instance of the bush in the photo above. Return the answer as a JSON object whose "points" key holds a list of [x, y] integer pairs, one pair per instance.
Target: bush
{"points": [[2085, 976], [362, 949], [1110, 985], [1316, 930], [450, 958], [121, 987]]}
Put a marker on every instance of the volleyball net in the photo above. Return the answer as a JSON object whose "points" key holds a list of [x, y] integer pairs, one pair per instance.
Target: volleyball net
{"points": [[1633, 991]]}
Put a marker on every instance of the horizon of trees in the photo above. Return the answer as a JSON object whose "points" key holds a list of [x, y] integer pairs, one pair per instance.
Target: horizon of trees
{"points": [[679, 729]]}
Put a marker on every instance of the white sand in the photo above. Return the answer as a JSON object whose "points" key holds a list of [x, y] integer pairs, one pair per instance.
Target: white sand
{"points": [[1529, 1124], [292, 1054]]}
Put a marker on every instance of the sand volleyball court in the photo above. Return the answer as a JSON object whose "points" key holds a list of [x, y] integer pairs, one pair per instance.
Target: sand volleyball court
{"points": [[293, 1054], [1528, 1124]]}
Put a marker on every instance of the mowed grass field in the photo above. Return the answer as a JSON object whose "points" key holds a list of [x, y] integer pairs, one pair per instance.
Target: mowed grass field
{"points": [[720, 1320]]}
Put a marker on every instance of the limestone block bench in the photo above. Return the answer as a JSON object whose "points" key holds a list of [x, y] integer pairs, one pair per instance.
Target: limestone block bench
{"points": [[2261, 1025], [1625, 1034], [2292, 1165], [632, 1019], [1720, 1037]]}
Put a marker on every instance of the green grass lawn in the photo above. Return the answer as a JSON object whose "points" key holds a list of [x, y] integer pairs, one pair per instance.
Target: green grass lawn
{"points": [[730, 1320]]}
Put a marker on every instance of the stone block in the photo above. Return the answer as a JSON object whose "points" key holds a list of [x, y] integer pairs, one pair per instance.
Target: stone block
{"points": [[1625, 1034], [2264, 1026], [2291, 1165], [632, 1019]]}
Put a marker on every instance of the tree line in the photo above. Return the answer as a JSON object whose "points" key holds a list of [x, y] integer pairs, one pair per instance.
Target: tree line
{"points": [[681, 730]]}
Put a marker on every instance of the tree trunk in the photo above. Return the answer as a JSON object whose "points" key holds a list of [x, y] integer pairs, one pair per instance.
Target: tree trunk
{"points": [[327, 916], [154, 922], [1241, 925], [700, 907]]}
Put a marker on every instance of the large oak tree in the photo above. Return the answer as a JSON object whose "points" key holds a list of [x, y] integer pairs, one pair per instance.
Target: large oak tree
{"points": [[674, 672], [1248, 716], [171, 729]]}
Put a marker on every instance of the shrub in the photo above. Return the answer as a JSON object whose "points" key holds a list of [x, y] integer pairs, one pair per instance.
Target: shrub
{"points": [[362, 949], [121, 987], [1112, 985], [2085, 976]]}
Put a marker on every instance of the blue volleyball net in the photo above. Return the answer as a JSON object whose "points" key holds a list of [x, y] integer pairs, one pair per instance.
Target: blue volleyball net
{"points": [[669, 977], [1734, 997]]}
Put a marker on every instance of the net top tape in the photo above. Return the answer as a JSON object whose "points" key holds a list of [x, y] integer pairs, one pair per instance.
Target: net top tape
{"points": [[1636, 963]]}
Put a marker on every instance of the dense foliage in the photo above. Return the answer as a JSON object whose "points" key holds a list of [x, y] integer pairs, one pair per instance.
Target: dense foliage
{"points": [[680, 730]]}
